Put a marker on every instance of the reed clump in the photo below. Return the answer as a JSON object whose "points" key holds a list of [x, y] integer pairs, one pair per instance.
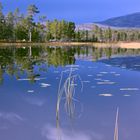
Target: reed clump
{"points": [[67, 91]]}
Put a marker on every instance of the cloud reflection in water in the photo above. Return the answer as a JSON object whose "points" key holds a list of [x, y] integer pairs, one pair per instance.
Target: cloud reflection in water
{"points": [[52, 133]]}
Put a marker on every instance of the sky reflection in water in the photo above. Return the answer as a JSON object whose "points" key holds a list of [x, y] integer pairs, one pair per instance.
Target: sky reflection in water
{"points": [[29, 80]]}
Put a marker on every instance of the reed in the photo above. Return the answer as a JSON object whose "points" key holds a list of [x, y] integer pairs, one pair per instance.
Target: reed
{"points": [[66, 90], [116, 131]]}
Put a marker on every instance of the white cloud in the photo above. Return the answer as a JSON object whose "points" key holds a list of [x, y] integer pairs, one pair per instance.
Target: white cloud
{"points": [[106, 95], [35, 101], [129, 89], [52, 133], [3, 127], [44, 85], [11, 117], [30, 91]]}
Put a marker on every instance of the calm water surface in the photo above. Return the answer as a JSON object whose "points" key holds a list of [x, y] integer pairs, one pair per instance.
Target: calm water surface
{"points": [[106, 79]]}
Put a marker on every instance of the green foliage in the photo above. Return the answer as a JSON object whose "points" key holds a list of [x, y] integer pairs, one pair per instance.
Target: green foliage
{"points": [[114, 35], [21, 33], [17, 27], [60, 30]]}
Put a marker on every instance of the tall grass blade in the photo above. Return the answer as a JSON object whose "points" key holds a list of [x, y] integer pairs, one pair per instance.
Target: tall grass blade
{"points": [[116, 132]]}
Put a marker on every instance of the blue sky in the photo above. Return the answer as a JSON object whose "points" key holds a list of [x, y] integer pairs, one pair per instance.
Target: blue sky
{"points": [[79, 11]]}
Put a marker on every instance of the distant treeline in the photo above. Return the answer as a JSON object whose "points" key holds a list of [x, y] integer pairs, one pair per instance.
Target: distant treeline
{"points": [[101, 34], [18, 27]]}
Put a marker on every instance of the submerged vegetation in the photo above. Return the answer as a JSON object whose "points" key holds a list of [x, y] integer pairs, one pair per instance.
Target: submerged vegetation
{"points": [[18, 27]]}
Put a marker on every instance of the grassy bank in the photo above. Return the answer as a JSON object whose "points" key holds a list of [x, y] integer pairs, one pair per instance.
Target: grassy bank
{"points": [[132, 45], [61, 44]]}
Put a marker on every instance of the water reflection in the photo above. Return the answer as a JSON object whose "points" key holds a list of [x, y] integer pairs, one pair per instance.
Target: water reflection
{"points": [[132, 62], [50, 133], [19, 61], [30, 78]]}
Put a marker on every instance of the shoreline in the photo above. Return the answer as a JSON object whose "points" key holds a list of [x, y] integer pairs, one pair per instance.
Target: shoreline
{"points": [[127, 45], [130, 45]]}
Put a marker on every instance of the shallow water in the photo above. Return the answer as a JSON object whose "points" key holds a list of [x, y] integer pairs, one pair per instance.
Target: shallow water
{"points": [[30, 77]]}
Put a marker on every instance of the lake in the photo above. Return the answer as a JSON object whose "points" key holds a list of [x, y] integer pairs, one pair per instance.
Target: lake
{"points": [[69, 93]]}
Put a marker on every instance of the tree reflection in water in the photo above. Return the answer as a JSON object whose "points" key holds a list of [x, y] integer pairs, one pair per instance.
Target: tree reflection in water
{"points": [[16, 61]]}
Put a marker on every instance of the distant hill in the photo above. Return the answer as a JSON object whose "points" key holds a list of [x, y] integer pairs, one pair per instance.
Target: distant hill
{"points": [[85, 26], [127, 21], [90, 26]]}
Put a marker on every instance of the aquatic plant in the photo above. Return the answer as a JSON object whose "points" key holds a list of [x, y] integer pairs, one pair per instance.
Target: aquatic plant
{"points": [[116, 131], [66, 90]]}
